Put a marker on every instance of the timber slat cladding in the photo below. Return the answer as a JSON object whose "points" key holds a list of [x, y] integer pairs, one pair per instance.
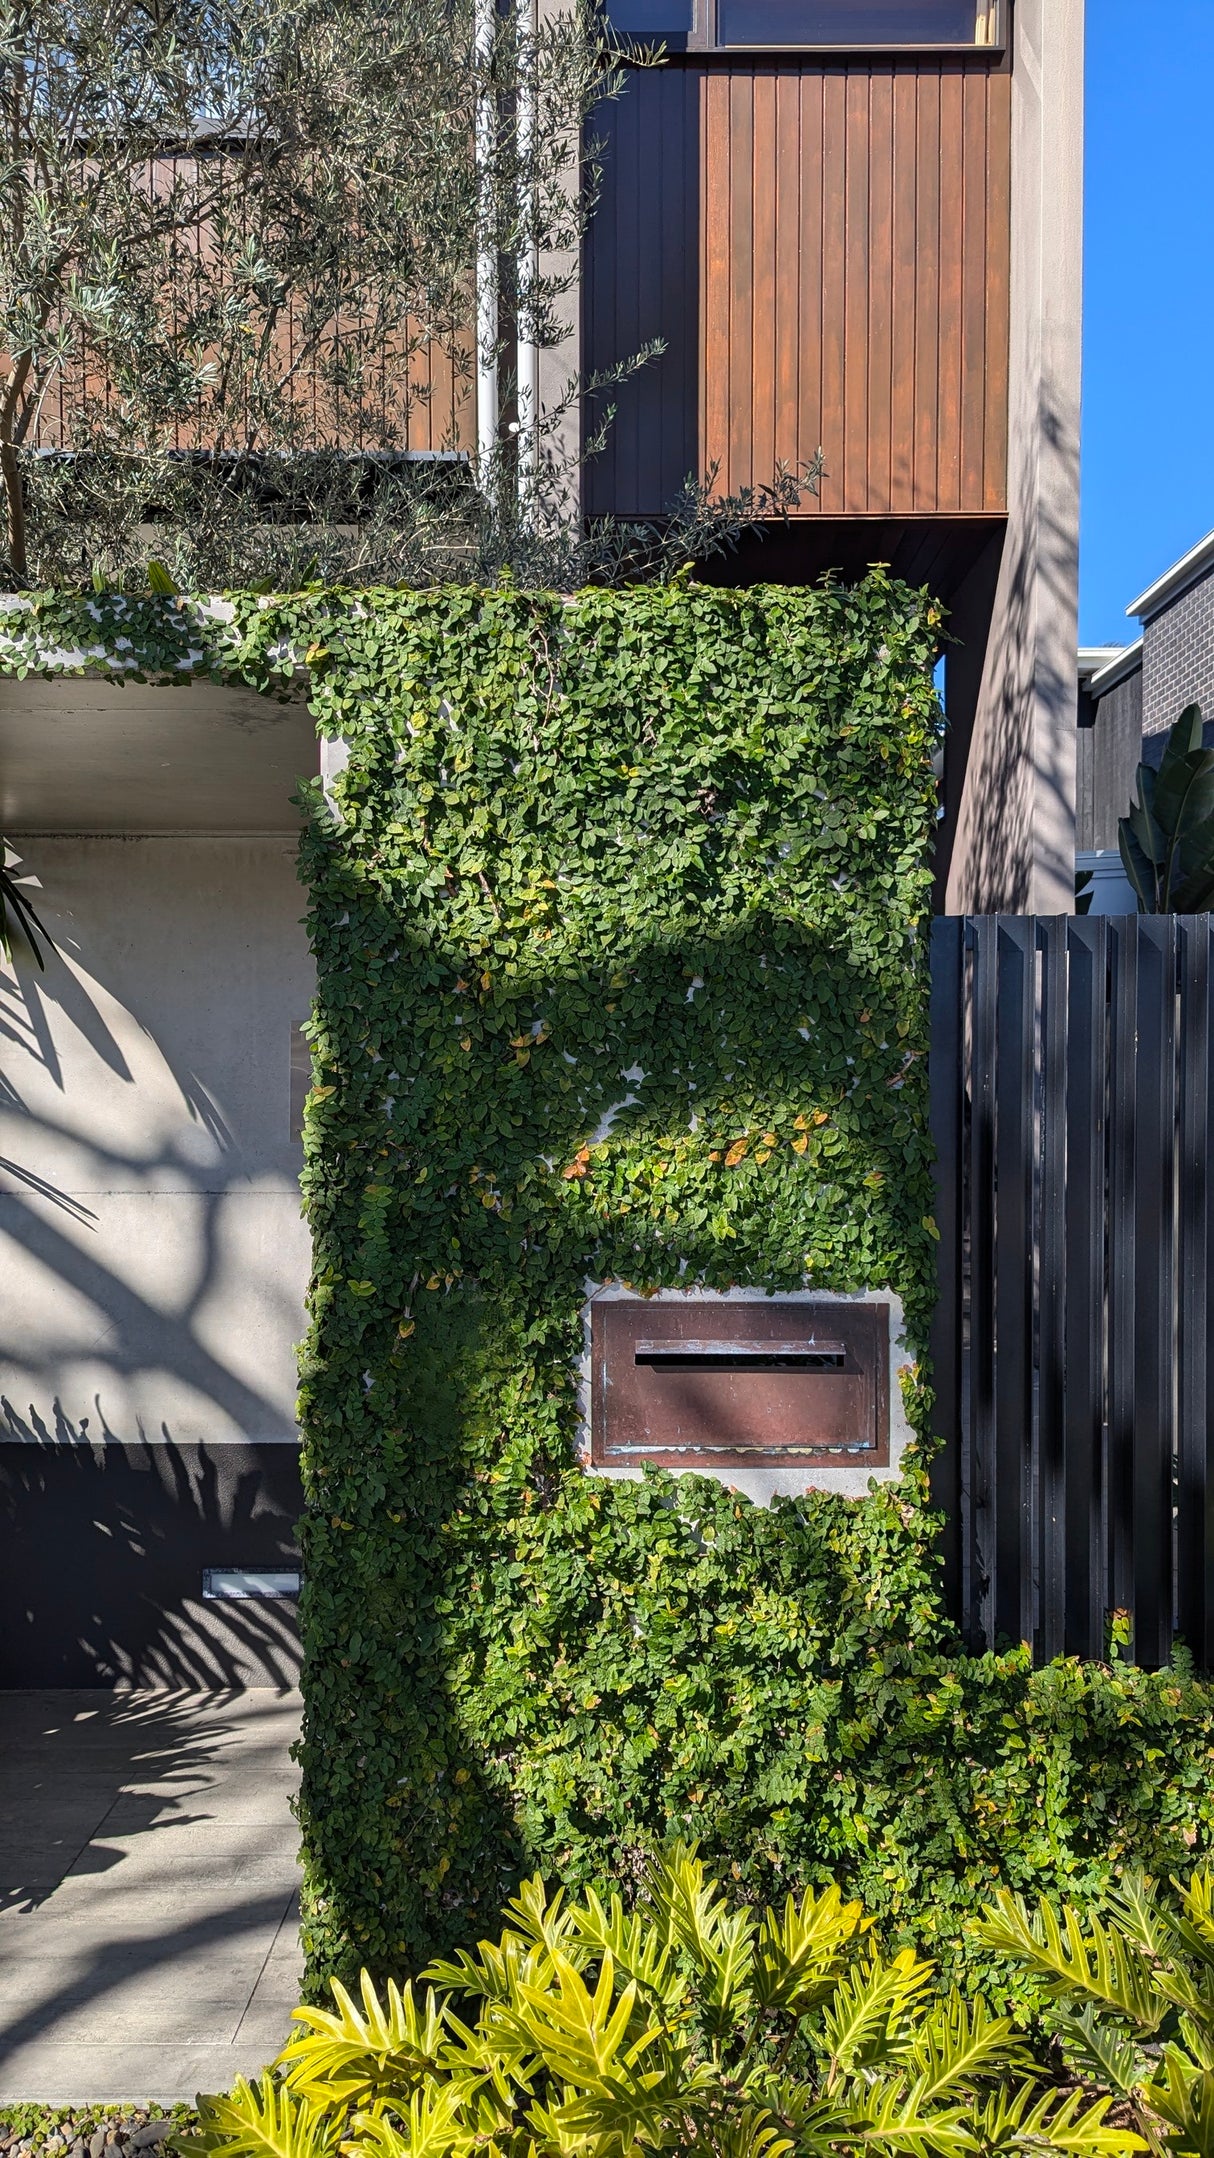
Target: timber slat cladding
{"points": [[854, 282], [825, 251]]}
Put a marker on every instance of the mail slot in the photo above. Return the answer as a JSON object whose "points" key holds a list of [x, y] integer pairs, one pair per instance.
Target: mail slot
{"points": [[725, 1384]]}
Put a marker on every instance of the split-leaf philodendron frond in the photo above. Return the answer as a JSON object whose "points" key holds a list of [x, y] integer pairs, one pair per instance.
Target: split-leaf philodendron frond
{"points": [[685, 2025], [1135, 1999]]}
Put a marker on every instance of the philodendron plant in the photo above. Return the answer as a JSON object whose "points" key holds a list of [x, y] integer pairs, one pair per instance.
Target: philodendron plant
{"points": [[1135, 2000], [1167, 840], [684, 2026]]}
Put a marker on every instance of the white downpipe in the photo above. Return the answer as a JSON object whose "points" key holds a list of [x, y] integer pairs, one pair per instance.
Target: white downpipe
{"points": [[527, 351], [486, 252]]}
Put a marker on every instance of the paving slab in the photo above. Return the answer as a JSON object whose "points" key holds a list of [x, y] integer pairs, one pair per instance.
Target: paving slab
{"points": [[149, 1915]]}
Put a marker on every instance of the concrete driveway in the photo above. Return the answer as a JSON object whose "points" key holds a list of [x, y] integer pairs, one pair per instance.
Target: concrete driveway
{"points": [[148, 1892]]}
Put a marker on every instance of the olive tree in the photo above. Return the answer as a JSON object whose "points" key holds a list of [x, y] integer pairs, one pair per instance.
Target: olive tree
{"points": [[233, 236]]}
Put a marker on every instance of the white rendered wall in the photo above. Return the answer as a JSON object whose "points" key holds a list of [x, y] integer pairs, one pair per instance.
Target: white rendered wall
{"points": [[152, 1256], [1015, 845]]}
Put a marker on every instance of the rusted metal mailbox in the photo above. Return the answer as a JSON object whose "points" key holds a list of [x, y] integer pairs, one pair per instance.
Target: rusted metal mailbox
{"points": [[729, 1385]]}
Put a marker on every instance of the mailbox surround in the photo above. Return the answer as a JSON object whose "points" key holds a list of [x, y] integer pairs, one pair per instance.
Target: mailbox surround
{"points": [[761, 1477], [699, 1385]]}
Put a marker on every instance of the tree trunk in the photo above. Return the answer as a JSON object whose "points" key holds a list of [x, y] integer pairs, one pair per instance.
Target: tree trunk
{"points": [[14, 503]]}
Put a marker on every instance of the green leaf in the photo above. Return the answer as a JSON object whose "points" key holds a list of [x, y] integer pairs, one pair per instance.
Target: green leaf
{"points": [[350, 2055], [865, 2022], [1138, 866], [261, 2120], [1099, 1965]]}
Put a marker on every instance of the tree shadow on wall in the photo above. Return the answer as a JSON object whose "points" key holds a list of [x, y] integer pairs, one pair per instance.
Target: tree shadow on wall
{"points": [[108, 1518], [105, 1546], [1018, 800]]}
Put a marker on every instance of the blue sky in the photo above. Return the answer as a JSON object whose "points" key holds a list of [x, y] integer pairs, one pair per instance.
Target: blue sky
{"points": [[1148, 421]]}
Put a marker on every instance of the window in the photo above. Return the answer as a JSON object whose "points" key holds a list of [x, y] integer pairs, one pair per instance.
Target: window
{"points": [[856, 22], [806, 25], [665, 21]]}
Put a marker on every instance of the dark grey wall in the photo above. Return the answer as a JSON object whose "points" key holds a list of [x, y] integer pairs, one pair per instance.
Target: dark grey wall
{"points": [[641, 282], [102, 1550], [1109, 748], [1178, 657]]}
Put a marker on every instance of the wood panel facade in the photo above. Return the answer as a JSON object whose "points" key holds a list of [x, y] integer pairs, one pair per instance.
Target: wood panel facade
{"points": [[424, 401], [826, 250]]}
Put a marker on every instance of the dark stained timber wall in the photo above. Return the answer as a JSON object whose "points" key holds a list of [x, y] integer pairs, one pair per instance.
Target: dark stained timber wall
{"points": [[105, 1547], [826, 250]]}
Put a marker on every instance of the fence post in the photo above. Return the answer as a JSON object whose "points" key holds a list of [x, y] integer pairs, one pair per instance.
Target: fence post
{"points": [[1015, 1028], [1086, 1134], [947, 1084], [1154, 1086], [1195, 1274], [1053, 1308]]}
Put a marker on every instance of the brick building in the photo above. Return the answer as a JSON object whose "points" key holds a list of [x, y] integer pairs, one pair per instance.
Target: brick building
{"points": [[1129, 695]]}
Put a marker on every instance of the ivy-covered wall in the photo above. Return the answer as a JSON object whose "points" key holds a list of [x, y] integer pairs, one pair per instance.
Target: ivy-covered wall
{"points": [[679, 833], [662, 853]]}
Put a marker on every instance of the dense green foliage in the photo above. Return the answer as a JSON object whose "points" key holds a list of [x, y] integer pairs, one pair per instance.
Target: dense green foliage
{"points": [[660, 853], [682, 2025], [511, 1665], [1134, 1999]]}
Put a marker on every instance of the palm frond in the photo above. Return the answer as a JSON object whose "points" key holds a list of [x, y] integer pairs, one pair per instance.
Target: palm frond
{"points": [[898, 2116], [637, 1949], [1102, 2050], [583, 2036], [1183, 2097], [430, 2125], [17, 917], [1030, 2119], [800, 1952], [959, 2043]]}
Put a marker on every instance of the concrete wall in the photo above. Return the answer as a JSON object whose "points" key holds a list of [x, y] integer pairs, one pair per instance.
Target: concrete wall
{"points": [[1178, 657], [1015, 840], [152, 1256]]}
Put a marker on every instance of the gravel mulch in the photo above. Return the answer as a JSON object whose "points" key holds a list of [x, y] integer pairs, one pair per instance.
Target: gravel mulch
{"points": [[101, 2131]]}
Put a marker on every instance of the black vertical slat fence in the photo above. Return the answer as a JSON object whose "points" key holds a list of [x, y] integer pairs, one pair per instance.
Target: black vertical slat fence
{"points": [[1073, 1348]]}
